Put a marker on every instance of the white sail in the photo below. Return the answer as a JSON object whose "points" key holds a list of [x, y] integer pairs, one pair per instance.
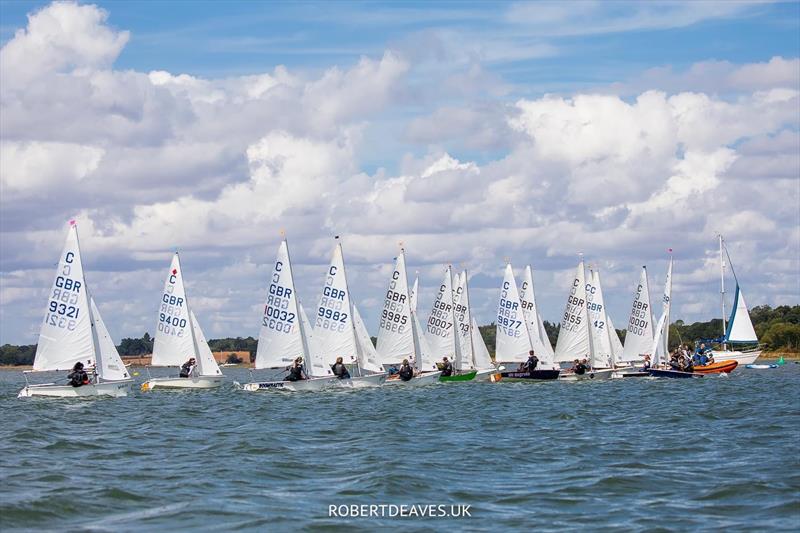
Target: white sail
{"points": [[463, 321], [658, 358], [334, 335], [206, 364], [314, 362], [395, 337], [413, 294], [740, 327], [65, 337], [616, 344], [639, 335], [109, 366], [512, 337], [481, 359], [280, 339], [663, 346], [539, 341], [601, 340], [574, 340], [425, 359], [173, 344], [367, 355], [440, 329]]}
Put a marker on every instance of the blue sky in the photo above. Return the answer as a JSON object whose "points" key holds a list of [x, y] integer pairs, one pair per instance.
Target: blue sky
{"points": [[470, 131]]}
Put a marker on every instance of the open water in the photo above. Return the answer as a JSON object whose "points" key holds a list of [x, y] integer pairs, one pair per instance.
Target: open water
{"points": [[633, 454]]}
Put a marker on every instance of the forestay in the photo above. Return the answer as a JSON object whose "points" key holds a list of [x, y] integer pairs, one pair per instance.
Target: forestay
{"points": [[334, 335], [395, 336], [280, 339], [109, 365], [574, 340], [740, 327], [539, 340], [173, 344], [639, 336], [65, 337], [206, 364], [512, 337]]}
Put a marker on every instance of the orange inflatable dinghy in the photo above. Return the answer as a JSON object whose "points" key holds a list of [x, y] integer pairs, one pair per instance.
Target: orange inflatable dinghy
{"points": [[716, 368]]}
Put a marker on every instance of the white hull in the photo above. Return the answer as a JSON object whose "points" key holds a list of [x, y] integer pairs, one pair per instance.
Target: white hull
{"points": [[313, 384], [193, 382], [107, 388], [362, 382], [601, 374], [743, 358], [485, 375], [426, 378]]}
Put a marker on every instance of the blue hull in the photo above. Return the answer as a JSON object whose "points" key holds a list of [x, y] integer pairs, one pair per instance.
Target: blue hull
{"points": [[536, 375]]}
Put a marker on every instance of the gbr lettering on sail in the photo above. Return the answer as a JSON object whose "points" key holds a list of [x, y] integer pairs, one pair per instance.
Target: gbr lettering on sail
{"points": [[63, 308], [573, 316], [640, 314], [508, 312], [277, 314], [394, 318], [330, 313], [170, 316]]}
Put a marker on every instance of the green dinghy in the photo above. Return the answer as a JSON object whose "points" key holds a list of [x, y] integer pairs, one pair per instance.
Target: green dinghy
{"points": [[467, 376]]}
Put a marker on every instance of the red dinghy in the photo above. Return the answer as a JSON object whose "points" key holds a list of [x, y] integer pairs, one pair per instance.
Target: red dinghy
{"points": [[716, 368]]}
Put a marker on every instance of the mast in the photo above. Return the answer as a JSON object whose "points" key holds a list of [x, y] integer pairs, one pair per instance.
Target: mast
{"points": [[469, 318], [722, 287]]}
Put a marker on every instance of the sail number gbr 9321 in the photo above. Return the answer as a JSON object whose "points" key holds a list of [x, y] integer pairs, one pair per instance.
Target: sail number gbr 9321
{"points": [[64, 306]]}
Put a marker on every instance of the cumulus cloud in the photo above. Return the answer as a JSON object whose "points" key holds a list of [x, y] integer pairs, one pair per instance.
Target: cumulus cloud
{"points": [[217, 167]]}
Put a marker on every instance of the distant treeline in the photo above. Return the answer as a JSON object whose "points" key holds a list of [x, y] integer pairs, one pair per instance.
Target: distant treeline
{"points": [[777, 328]]}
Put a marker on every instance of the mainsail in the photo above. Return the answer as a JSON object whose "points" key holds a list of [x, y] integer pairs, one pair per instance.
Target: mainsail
{"points": [[512, 337], [395, 336], [334, 334], [574, 339], [602, 356], [65, 337], [174, 343], [463, 321], [441, 325], [539, 341], [280, 339], [662, 348], [639, 335]]}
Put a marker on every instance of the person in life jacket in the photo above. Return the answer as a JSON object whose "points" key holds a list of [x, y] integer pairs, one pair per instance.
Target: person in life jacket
{"points": [[646, 363], [530, 365], [296, 372], [580, 367], [78, 377], [447, 367], [406, 371], [339, 370], [188, 366]]}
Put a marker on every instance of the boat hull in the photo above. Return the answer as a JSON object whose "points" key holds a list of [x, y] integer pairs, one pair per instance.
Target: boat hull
{"points": [[743, 358], [456, 378], [761, 367], [194, 382], [663, 373], [426, 378], [536, 375], [107, 388], [601, 375], [313, 384], [488, 375], [362, 382], [629, 372], [717, 367]]}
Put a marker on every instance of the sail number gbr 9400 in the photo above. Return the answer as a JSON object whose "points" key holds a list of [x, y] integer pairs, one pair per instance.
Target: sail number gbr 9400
{"points": [[170, 316], [279, 312], [63, 309]]}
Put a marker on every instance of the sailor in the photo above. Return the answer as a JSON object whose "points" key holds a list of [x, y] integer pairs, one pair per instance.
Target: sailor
{"points": [[339, 370], [406, 372], [78, 377], [646, 364], [531, 363], [447, 367], [697, 359], [296, 372], [579, 367], [685, 363], [188, 366]]}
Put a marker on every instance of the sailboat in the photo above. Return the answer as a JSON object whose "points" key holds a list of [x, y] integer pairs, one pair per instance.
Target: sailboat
{"points": [[443, 329], [606, 351], [539, 340], [576, 336], [514, 340], [738, 329], [286, 334], [335, 329], [73, 331], [400, 334], [470, 363], [179, 338]]}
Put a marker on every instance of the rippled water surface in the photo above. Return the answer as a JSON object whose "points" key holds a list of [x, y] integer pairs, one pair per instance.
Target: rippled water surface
{"points": [[717, 452]]}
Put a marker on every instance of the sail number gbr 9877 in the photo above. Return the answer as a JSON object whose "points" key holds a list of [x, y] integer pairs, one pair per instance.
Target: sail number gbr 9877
{"points": [[508, 314], [63, 309]]}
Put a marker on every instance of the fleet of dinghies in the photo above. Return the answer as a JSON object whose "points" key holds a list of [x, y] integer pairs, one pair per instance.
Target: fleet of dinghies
{"points": [[587, 348]]}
